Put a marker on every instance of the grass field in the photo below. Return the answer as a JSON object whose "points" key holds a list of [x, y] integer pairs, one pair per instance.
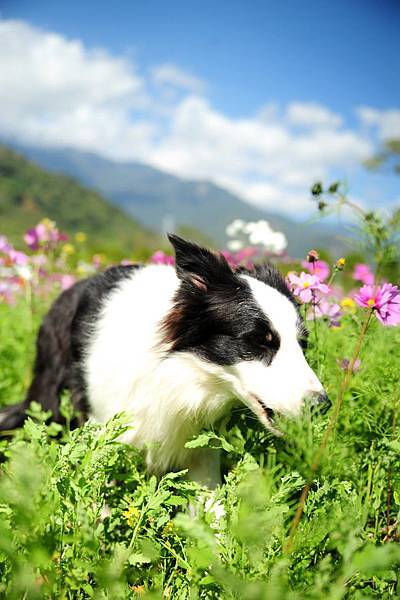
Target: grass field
{"points": [[56, 543]]}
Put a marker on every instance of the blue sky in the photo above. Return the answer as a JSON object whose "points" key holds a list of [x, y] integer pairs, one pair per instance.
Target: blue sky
{"points": [[223, 64]]}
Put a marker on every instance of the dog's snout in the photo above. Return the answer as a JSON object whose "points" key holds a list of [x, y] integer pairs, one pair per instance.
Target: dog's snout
{"points": [[319, 402]]}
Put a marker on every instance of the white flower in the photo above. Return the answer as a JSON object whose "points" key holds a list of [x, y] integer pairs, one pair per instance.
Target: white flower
{"points": [[278, 242], [261, 233], [235, 245], [24, 271], [235, 227]]}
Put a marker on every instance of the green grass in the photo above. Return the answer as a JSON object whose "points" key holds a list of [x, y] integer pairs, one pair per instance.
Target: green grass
{"points": [[54, 542]]}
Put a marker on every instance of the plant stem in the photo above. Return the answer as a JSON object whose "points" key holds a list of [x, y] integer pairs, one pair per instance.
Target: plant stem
{"points": [[328, 431]]}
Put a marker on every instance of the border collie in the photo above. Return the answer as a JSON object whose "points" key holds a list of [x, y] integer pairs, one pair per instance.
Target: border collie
{"points": [[174, 348]]}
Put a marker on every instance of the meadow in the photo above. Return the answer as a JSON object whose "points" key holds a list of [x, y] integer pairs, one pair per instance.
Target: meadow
{"points": [[313, 513]]}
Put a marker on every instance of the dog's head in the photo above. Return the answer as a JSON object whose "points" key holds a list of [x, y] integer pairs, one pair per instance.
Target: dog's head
{"points": [[245, 328]]}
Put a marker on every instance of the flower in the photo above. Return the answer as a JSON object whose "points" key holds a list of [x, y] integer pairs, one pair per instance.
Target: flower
{"points": [[66, 281], [4, 245], [348, 303], [18, 258], [235, 227], [317, 267], [340, 263], [344, 364], [80, 237], [261, 232], [384, 300], [363, 273], [7, 291], [312, 256], [44, 234], [68, 249], [235, 245], [132, 515], [240, 258], [160, 258], [305, 286], [327, 309]]}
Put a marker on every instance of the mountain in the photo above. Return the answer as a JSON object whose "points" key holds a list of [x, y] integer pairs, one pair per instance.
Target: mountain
{"points": [[160, 200], [28, 193]]}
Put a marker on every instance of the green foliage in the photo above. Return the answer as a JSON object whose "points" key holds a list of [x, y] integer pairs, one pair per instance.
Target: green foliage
{"points": [[387, 158], [81, 518], [376, 234], [28, 194]]}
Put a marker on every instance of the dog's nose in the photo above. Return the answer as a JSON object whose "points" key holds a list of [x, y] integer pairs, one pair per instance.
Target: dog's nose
{"points": [[319, 402]]}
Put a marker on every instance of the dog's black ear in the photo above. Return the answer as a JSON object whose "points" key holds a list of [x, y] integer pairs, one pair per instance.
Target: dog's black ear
{"points": [[199, 266]]}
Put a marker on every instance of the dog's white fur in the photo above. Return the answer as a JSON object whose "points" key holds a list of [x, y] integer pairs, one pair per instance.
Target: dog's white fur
{"points": [[170, 397]]}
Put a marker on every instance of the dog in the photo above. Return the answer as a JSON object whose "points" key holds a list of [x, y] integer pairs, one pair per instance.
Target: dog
{"points": [[174, 348]]}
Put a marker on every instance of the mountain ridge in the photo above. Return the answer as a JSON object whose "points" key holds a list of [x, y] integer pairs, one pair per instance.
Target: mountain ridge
{"points": [[163, 201]]}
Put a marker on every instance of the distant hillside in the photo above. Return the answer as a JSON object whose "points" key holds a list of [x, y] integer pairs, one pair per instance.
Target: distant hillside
{"points": [[28, 193], [160, 200]]}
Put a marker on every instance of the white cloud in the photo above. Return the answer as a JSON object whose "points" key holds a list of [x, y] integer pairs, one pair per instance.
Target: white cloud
{"points": [[387, 122], [55, 91], [170, 75], [266, 163], [311, 114]]}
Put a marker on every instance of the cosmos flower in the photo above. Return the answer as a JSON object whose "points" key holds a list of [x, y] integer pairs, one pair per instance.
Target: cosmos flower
{"points": [[317, 267], [363, 273], [327, 310], [344, 364], [160, 258], [384, 300], [306, 286], [4, 245], [45, 234]]}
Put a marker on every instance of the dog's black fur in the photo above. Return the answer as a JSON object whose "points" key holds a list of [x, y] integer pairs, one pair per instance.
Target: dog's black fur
{"points": [[226, 325], [59, 346]]}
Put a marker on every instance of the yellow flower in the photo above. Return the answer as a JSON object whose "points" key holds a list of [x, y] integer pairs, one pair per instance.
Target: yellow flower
{"points": [[48, 223], [68, 249], [340, 263], [80, 237], [132, 515], [348, 304], [168, 529]]}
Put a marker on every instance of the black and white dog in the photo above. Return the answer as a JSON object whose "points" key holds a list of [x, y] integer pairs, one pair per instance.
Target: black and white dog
{"points": [[174, 348]]}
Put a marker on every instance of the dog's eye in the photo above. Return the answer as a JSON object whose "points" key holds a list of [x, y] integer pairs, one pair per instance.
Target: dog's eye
{"points": [[269, 337]]}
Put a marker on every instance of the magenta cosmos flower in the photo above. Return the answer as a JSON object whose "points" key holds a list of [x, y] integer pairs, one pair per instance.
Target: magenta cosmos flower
{"points": [[44, 233], [160, 258], [306, 286], [384, 299], [320, 268], [363, 273]]}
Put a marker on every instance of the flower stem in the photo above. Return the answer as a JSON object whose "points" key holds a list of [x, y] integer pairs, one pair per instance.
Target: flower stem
{"points": [[328, 431]]}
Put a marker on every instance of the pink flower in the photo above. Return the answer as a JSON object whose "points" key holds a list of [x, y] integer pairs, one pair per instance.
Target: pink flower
{"points": [[7, 291], [18, 258], [240, 258], [344, 364], [45, 234], [329, 310], [305, 286], [318, 267], [363, 273], [160, 258], [4, 245], [384, 300], [66, 281]]}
